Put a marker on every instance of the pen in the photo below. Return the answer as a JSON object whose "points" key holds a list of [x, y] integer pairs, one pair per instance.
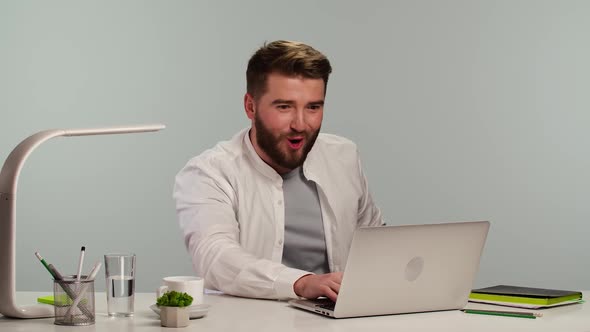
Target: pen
{"points": [[55, 272], [44, 263], [94, 271], [80, 262], [519, 314]]}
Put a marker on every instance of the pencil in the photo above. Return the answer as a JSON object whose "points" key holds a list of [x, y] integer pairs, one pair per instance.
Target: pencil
{"points": [[520, 314], [44, 263]]}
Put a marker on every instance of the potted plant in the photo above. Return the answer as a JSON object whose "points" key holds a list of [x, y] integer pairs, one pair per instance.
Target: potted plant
{"points": [[174, 309]]}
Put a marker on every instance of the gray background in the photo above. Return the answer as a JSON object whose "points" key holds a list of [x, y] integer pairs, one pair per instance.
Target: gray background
{"points": [[462, 110]]}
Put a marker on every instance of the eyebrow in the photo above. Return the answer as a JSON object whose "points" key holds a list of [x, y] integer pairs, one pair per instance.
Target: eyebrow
{"points": [[282, 101], [291, 102], [318, 103]]}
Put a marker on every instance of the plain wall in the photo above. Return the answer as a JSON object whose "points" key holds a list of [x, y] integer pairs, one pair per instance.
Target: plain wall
{"points": [[462, 110]]}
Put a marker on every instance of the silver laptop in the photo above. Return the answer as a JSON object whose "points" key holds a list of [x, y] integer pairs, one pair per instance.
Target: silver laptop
{"points": [[406, 269]]}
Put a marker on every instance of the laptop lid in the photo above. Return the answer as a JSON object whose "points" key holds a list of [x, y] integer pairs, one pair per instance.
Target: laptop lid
{"points": [[412, 268]]}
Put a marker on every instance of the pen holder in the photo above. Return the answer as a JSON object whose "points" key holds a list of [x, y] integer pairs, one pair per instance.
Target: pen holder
{"points": [[74, 301]]}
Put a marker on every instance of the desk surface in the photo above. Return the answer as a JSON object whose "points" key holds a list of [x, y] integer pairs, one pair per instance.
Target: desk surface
{"points": [[229, 313]]}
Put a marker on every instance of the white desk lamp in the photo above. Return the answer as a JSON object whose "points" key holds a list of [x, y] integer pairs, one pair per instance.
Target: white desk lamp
{"points": [[8, 181]]}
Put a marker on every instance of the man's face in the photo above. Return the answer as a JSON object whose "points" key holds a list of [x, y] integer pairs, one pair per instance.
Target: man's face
{"points": [[286, 120]]}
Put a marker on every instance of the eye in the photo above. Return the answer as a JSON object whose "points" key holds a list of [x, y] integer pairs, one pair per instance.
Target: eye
{"points": [[283, 107], [314, 107]]}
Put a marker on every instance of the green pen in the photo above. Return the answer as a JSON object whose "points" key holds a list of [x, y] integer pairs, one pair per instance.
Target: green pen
{"points": [[518, 314], [44, 264]]}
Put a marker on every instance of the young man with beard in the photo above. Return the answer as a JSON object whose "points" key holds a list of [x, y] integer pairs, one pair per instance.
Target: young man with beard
{"points": [[271, 212]]}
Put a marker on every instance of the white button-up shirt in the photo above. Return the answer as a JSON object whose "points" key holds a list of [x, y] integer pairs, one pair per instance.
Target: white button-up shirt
{"points": [[230, 208]]}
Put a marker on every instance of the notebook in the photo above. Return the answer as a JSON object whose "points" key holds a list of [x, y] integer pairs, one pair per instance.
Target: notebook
{"points": [[524, 296], [407, 269]]}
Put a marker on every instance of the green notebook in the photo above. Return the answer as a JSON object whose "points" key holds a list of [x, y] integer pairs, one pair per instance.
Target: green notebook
{"points": [[526, 295], [62, 300], [46, 299]]}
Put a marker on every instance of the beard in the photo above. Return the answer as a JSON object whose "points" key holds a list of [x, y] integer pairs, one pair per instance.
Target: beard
{"points": [[271, 145]]}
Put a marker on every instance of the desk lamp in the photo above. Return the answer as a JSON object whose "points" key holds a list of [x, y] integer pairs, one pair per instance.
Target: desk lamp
{"points": [[8, 181]]}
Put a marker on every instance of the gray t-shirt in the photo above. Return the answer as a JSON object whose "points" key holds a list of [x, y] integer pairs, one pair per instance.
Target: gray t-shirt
{"points": [[305, 243]]}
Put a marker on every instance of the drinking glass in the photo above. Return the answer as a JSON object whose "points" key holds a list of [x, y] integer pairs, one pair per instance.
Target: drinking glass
{"points": [[120, 278]]}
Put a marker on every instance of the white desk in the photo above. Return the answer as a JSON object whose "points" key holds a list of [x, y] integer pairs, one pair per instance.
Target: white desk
{"points": [[238, 314]]}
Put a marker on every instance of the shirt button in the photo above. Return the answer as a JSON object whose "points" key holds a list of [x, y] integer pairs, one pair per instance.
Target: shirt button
{"points": [[280, 202], [280, 242]]}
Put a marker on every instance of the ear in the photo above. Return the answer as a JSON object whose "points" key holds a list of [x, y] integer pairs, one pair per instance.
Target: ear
{"points": [[249, 106]]}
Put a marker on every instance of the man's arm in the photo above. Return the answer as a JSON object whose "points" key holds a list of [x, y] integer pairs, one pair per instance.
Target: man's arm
{"points": [[369, 214], [211, 231]]}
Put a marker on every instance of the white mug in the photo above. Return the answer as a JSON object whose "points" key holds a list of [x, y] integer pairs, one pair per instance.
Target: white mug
{"points": [[193, 286]]}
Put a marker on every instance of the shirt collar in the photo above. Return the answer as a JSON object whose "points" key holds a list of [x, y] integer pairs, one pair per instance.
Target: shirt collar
{"points": [[260, 165]]}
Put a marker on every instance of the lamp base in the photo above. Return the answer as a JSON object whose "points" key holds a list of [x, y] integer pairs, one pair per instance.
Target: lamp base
{"points": [[30, 311]]}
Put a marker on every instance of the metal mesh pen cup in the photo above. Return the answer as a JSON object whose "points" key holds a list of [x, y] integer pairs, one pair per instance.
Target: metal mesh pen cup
{"points": [[74, 301]]}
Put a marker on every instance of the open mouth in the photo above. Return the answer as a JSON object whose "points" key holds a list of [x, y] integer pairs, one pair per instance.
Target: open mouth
{"points": [[295, 143]]}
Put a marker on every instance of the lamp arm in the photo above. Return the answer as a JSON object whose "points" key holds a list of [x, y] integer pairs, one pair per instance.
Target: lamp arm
{"points": [[8, 185]]}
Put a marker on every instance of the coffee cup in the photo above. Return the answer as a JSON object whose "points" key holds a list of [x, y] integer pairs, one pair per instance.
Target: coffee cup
{"points": [[193, 286]]}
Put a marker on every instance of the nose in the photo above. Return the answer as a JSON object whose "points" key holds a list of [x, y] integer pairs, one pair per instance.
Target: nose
{"points": [[298, 121]]}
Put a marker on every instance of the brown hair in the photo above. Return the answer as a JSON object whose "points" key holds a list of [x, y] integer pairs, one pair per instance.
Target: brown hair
{"points": [[288, 58]]}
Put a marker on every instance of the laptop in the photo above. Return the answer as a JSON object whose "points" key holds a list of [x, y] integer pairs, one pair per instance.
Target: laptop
{"points": [[406, 269]]}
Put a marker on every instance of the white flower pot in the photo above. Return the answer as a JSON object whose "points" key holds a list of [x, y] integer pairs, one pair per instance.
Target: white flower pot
{"points": [[174, 316]]}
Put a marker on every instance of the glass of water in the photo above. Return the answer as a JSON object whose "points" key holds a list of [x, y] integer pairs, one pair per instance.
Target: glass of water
{"points": [[120, 277]]}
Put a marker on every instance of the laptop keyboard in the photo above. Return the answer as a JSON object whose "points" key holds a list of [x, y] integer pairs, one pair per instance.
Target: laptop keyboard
{"points": [[327, 304]]}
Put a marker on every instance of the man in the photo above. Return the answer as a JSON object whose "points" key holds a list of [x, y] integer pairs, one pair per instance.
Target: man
{"points": [[271, 213]]}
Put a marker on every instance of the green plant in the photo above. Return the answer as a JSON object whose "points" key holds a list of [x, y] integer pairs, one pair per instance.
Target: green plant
{"points": [[175, 299]]}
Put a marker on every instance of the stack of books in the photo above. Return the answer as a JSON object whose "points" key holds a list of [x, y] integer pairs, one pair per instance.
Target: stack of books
{"points": [[524, 297]]}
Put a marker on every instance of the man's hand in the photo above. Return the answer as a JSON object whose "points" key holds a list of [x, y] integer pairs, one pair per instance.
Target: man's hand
{"points": [[312, 286]]}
